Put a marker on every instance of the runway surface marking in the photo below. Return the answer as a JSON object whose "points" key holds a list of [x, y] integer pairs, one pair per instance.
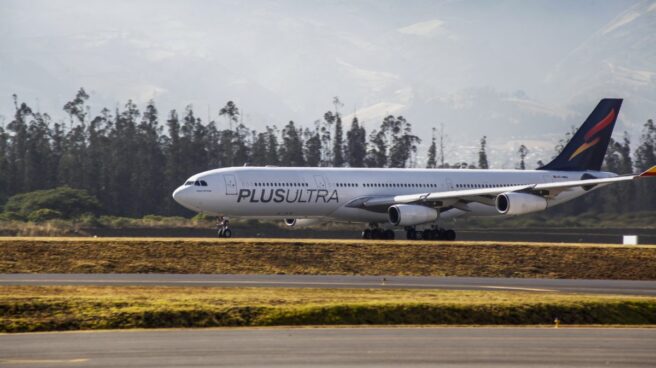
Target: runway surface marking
{"points": [[352, 347], [627, 287]]}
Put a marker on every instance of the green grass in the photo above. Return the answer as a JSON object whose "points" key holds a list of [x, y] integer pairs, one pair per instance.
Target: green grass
{"points": [[31, 308], [332, 257]]}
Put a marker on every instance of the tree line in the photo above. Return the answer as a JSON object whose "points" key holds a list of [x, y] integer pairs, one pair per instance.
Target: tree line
{"points": [[132, 159]]}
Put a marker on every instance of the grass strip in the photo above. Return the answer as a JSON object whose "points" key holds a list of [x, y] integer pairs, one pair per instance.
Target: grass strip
{"points": [[328, 257], [52, 308]]}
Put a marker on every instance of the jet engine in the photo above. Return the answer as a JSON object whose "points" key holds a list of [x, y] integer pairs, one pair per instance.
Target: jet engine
{"points": [[519, 203], [411, 214], [292, 222]]}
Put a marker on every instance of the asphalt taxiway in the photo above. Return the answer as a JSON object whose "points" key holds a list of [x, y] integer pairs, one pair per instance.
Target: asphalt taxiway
{"points": [[626, 287], [344, 347]]}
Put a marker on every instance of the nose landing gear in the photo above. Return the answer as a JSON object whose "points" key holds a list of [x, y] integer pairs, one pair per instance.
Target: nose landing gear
{"points": [[223, 227], [375, 232]]}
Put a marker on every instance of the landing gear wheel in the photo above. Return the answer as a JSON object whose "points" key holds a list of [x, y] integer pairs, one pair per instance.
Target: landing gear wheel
{"points": [[427, 234], [367, 234], [388, 234], [223, 229], [376, 234], [450, 235], [411, 234]]}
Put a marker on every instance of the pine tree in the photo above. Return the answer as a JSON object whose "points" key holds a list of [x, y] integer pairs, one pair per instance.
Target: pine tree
{"points": [[377, 154], [231, 112], [326, 139], [240, 145], [291, 150], [431, 163], [76, 108], [523, 152], [645, 157], [338, 143], [482, 155], [17, 152], [404, 143], [356, 144], [176, 171], [97, 170], [442, 147], [4, 165], [148, 161], [312, 148], [259, 149]]}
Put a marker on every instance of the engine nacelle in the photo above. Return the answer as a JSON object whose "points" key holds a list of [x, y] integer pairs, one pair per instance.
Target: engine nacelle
{"points": [[519, 203], [291, 222], [411, 214]]}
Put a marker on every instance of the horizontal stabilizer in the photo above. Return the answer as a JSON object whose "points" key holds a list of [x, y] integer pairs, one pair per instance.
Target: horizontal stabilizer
{"points": [[649, 172]]}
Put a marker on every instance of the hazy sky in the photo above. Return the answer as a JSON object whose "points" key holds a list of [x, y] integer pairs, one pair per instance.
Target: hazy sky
{"points": [[516, 71]]}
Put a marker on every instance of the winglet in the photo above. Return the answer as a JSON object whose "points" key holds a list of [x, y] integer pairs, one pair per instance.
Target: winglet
{"points": [[649, 172]]}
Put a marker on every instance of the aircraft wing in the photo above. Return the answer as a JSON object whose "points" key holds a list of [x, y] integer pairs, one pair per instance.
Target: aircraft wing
{"points": [[487, 195]]}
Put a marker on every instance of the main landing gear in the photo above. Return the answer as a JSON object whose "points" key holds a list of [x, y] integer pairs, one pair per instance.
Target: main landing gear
{"points": [[223, 227], [432, 233], [411, 232], [374, 232]]}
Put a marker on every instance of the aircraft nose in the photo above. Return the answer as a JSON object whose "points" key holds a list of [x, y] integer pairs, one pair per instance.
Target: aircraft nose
{"points": [[180, 195]]}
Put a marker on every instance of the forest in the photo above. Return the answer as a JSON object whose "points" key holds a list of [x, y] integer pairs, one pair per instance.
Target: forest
{"points": [[131, 159]]}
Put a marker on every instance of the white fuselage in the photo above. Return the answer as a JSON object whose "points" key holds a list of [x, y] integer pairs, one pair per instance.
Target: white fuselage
{"points": [[277, 192]]}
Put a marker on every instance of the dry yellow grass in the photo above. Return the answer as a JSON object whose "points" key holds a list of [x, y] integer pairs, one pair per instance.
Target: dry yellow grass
{"points": [[32, 308], [276, 256]]}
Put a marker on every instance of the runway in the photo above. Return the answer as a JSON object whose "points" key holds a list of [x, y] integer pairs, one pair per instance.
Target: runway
{"points": [[344, 347], [626, 287]]}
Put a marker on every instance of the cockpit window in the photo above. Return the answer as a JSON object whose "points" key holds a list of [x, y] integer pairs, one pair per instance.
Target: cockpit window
{"points": [[203, 183], [199, 183], [190, 182]]}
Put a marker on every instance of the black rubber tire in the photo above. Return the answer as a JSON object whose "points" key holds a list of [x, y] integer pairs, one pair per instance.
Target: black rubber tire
{"points": [[376, 234], [366, 234], [220, 232], [450, 235], [427, 234], [227, 233], [389, 234], [411, 234]]}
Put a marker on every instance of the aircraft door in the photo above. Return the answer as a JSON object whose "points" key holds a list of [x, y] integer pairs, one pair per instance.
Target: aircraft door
{"points": [[448, 185], [321, 181], [231, 184]]}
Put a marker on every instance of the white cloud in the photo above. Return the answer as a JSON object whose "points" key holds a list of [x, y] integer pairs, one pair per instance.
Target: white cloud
{"points": [[632, 76], [375, 80], [622, 20], [375, 113], [539, 108], [427, 28]]}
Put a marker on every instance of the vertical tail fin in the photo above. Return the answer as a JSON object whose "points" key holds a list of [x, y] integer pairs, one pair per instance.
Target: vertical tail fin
{"points": [[587, 148]]}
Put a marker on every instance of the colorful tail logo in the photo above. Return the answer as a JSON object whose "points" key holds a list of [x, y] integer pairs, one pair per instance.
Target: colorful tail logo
{"points": [[589, 141]]}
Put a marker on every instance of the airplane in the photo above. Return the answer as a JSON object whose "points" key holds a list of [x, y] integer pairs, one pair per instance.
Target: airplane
{"points": [[414, 199]]}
